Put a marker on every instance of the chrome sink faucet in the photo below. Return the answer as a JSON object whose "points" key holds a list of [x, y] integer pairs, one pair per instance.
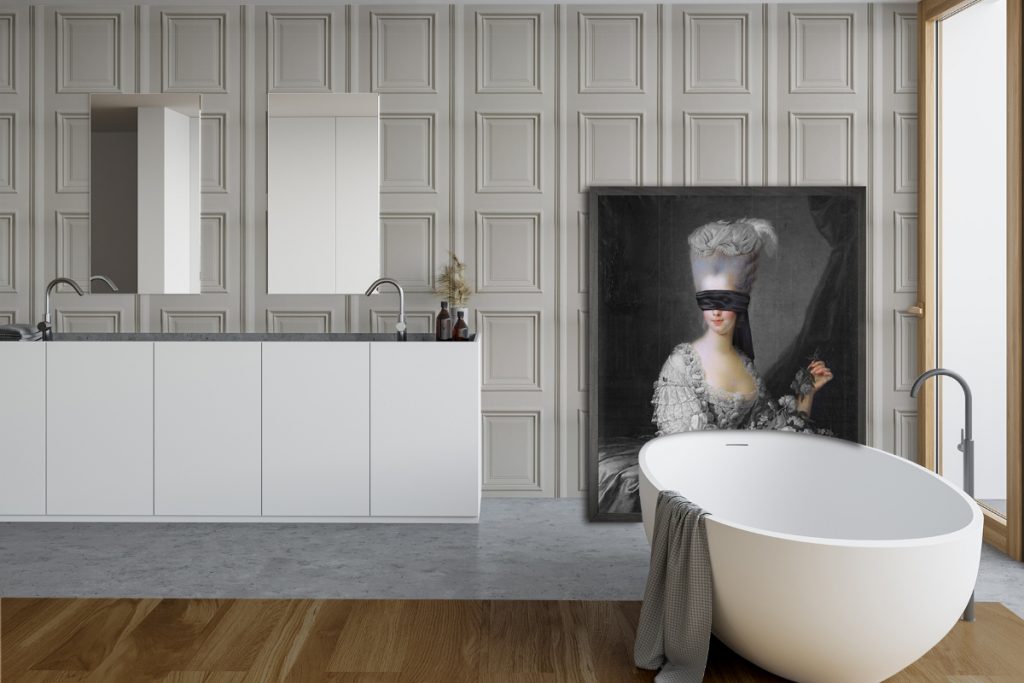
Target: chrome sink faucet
{"points": [[106, 280], [45, 327], [400, 325], [966, 445]]}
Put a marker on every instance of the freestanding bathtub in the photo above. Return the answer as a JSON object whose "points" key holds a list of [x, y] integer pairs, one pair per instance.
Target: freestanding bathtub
{"points": [[832, 562]]}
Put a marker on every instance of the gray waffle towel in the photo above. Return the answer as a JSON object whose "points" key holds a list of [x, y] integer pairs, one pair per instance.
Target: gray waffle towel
{"points": [[675, 621]]}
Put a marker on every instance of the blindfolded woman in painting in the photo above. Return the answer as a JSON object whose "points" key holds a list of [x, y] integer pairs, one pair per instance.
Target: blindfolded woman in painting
{"points": [[712, 382]]}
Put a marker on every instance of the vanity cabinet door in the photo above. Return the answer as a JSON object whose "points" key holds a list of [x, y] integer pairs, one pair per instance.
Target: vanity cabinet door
{"points": [[425, 429], [207, 431], [316, 428], [99, 428], [23, 429]]}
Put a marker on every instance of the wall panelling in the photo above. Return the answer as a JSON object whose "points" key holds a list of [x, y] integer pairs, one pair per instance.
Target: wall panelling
{"points": [[495, 119]]}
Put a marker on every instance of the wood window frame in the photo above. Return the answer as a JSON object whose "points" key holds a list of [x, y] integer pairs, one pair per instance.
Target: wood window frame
{"points": [[1006, 535]]}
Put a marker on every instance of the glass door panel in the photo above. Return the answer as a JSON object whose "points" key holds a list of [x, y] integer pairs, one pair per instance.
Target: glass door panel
{"points": [[972, 241]]}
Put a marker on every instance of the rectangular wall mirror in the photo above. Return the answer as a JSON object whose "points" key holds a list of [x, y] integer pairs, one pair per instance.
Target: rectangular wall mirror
{"points": [[145, 199], [323, 205]]}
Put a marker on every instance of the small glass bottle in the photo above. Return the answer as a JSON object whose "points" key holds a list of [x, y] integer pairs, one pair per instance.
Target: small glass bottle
{"points": [[443, 330], [461, 330]]}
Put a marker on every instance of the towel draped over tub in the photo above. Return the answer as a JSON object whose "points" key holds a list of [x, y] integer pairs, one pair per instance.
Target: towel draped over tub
{"points": [[675, 621]]}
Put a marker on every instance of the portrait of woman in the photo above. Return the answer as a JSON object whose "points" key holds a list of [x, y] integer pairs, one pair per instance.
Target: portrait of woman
{"points": [[712, 381], [721, 308]]}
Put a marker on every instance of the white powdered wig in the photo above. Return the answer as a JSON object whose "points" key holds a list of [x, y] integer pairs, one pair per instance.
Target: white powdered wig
{"points": [[725, 254]]}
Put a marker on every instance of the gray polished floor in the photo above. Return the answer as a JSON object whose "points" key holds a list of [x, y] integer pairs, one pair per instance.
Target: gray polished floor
{"points": [[522, 549]]}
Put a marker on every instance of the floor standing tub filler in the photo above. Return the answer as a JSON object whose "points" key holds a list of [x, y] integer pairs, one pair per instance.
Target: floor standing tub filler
{"points": [[832, 562]]}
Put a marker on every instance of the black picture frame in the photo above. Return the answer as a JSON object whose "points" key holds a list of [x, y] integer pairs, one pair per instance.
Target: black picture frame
{"points": [[735, 202]]}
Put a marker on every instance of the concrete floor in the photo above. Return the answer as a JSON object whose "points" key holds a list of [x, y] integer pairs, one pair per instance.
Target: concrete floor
{"points": [[537, 549]]}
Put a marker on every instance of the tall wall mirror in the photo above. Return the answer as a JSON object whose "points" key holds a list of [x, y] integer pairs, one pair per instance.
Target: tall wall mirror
{"points": [[145, 199], [323, 205]]}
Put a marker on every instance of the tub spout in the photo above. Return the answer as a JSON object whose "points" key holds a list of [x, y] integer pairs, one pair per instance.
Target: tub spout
{"points": [[966, 445]]}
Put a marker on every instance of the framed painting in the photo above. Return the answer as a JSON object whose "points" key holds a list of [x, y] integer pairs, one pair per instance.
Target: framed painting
{"points": [[720, 308]]}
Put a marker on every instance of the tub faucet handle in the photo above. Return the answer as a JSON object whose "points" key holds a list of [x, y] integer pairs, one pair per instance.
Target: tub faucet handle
{"points": [[963, 440]]}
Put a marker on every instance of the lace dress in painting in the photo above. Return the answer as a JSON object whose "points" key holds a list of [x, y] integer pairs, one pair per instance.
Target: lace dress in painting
{"points": [[684, 401]]}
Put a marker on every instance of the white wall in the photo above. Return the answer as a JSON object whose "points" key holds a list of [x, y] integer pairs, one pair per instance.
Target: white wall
{"points": [[494, 121]]}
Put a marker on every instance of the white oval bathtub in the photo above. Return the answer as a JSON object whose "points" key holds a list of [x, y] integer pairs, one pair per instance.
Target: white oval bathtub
{"points": [[831, 562]]}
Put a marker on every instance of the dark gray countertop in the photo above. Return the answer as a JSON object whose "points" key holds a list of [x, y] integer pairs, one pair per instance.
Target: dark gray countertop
{"points": [[240, 336]]}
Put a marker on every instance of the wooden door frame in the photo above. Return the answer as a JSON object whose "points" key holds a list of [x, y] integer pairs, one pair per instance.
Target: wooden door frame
{"points": [[1007, 535]]}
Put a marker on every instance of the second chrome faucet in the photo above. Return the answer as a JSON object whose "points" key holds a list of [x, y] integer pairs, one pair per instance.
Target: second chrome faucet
{"points": [[400, 325]]}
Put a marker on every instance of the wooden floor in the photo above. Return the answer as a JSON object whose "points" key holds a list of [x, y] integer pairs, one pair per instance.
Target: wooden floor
{"points": [[395, 641]]}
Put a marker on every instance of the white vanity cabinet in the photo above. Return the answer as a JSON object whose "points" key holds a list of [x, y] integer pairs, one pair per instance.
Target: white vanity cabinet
{"points": [[23, 433], [425, 430], [241, 429], [316, 429], [207, 428], [99, 428]]}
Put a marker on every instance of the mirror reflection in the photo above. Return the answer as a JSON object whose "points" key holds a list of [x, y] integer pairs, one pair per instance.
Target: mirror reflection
{"points": [[145, 199]]}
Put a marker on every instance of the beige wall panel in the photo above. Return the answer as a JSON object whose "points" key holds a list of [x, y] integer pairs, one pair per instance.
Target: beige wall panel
{"points": [[299, 321], [512, 350], [407, 158], [195, 52], [896, 278], [403, 50], [299, 52], [508, 252], [89, 321], [90, 51], [904, 63], [508, 48], [717, 52], [8, 253], [717, 146], [512, 450], [581, 346], [8, 53], [511, 231], [821, 150], [905, 433], [213, 273], [208, 322], [508, 156], [17, 229], [407, 249], [214, 166], [905, 350], [73, 249], [72, 152], [905, 252], [821, 49], [611, 50], [8, 152], [611, 149], [905, 150]]}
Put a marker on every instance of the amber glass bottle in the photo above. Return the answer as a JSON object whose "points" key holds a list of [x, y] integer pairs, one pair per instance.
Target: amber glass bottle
{"points": [[443, 331], [461, 330]]}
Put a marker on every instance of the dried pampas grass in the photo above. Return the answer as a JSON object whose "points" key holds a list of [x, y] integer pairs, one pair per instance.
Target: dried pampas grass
{"points": [[452, 285]]}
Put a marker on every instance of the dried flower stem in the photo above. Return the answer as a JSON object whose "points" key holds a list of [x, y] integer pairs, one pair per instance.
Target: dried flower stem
{"points": [[451, 283]]}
